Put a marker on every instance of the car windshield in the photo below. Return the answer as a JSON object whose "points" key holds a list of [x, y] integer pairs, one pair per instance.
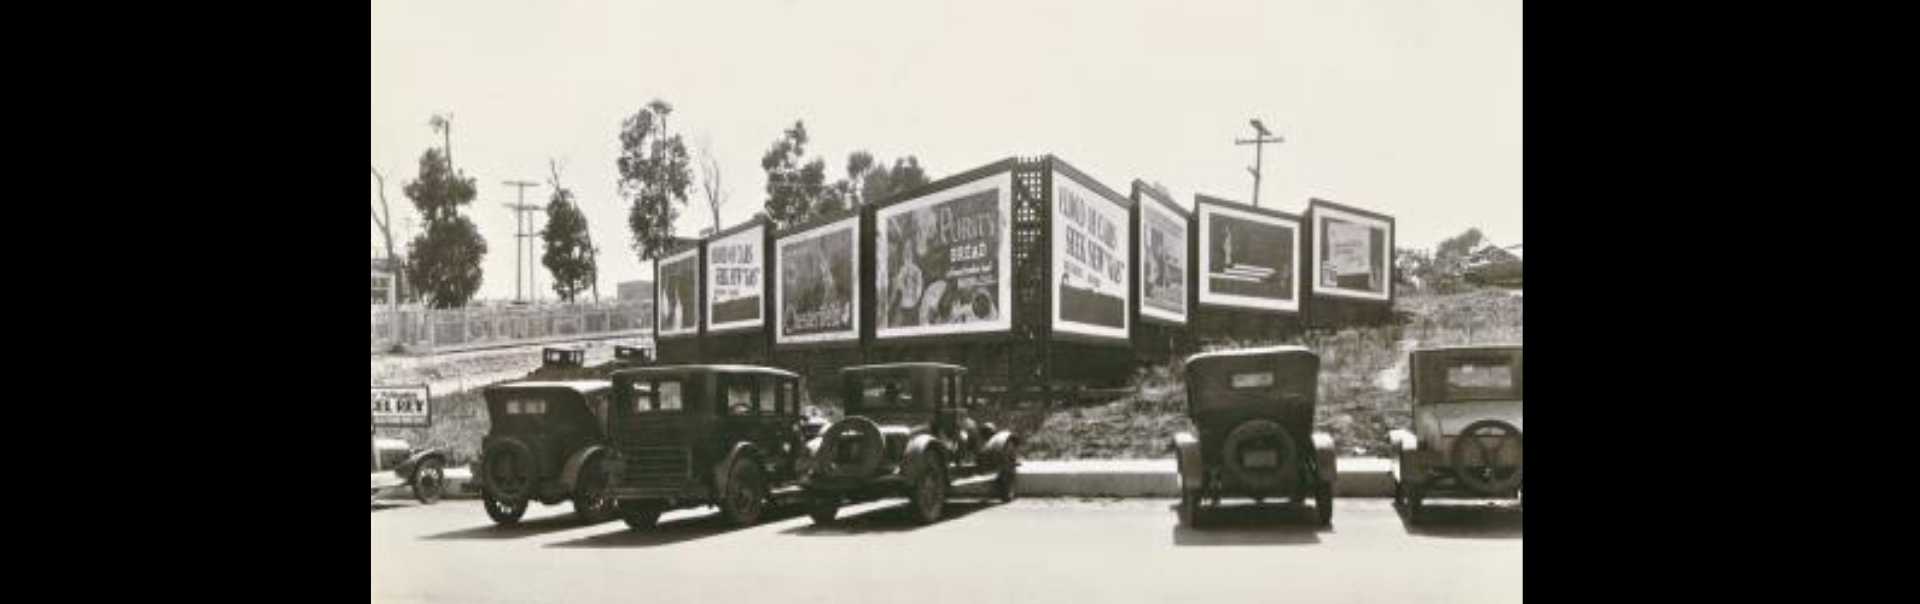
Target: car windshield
{"points": [[1480, 379], [888, 392], [657, 396]]}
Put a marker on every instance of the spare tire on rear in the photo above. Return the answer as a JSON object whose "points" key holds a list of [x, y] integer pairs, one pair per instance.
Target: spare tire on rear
{"points": [[508, 469], [859, 430], [1261, 479]]}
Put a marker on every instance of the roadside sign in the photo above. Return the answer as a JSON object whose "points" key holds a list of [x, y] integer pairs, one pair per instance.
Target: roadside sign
{"points": [[402, 406]]}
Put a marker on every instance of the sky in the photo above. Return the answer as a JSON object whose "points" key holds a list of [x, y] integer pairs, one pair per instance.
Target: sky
{"points": [[1410, 108]]}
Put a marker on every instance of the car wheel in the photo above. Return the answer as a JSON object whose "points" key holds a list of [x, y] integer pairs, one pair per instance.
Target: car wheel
{"points": [[639, 516], [503, 512], [1415, 501], [1006, 484], [1190, 509], [746, 493], [930, 491], [429, 481], [1323, 503], [823, 509], [590, 498]]}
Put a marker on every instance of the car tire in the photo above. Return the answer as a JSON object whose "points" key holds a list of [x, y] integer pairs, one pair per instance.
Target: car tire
{"points": [[639, 516], [745, 494], [503, 512], [590, 498], [1323, 503], [429, 480], [507, 468], [929, 495], [1006, 485], [1415, 501], [1264, 479], [823, 509]]}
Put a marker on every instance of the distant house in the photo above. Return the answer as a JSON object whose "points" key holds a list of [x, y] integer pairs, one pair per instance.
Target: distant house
{"points": [[389, 282]]}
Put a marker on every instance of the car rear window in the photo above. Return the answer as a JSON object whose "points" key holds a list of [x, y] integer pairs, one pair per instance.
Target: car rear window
{"points": [[888, 392], [1480, 379], [526, 407], [657, 396]]}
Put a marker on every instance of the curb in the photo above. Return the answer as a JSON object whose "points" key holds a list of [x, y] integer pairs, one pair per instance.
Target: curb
{"points": [[1359, 477]]}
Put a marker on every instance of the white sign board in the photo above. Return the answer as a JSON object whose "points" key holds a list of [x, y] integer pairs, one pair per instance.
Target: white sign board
{"points": [[1351, 255], [943, 261], [736, 269], [402, 407], [1091, 277]]}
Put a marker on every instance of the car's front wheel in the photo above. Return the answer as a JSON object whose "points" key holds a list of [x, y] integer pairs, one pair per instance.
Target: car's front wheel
{"points": [[639, 516], [429, 481], [590, 498], [823, 509], [1323, 503], [746, 493], [502, 511], [1006, 485]]}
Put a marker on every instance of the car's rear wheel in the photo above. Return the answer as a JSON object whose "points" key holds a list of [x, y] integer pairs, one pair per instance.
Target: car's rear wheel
{"points": [[429, 481], [823, 509], [502, 511], [590, 498], [1323, 503], [639, 515], [1005, 485], [508, 467], [746, 493], [929, 494]]}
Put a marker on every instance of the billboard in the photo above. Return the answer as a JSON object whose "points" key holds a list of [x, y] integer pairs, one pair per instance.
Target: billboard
{"points": [[1352, 253], [943, 261], [1248, 259], [736, 266], [1163, 261], [678, 286], [401, 407], [1091, 280], [816, 299]]}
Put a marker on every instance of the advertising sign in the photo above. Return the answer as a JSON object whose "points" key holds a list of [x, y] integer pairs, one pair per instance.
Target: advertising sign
{"points": [[401, 407], [1163, 262], [679, 290], [816, 294], [1090, 240], [1351, 252], [735, 268], [943, 261], [1248, 259]]}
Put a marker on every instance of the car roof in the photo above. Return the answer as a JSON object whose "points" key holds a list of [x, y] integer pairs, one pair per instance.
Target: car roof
{"points": [[905, 366], [1247, 352], [581, 386], [1469, 347], [684, 369]]}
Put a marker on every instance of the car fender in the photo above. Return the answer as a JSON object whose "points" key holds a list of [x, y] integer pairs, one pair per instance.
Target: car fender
{"points": [[999, 448], [570, 473], [1325, 457], [913, 461], [406, 468], [1186, 449], [740, 450], [1406, 444]]}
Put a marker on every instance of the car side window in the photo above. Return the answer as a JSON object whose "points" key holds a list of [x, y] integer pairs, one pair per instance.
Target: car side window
{"points": [[738, 392]]}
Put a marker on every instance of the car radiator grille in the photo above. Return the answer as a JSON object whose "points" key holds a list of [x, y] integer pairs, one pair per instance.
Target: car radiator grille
{"points": [[655, 467]]}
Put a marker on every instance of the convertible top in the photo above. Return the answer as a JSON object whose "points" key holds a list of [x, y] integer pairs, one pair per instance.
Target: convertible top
{"points": [[685, 369], [581, 386]]}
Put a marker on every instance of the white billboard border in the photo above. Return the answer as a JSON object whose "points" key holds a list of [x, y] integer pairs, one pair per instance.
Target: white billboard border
{"points": [[851, 223], [1058, 257], [1319, 213], [759, 232], [1003, 181], [1140, 240], [659, 288], [1205, 260]]}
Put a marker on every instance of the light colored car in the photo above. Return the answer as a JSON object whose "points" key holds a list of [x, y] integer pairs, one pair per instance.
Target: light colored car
{"points": [[1465, 441], [397, 465]]}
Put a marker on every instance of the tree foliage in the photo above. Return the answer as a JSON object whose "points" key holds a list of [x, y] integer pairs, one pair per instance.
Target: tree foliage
{"points": [[655, 172], [569, 252], [444, 261], [795, 190]]}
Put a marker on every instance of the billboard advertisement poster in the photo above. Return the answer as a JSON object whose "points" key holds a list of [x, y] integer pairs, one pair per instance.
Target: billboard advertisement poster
{"points": [[401, 407], [1350, 253], [815, 295], [943, 261], [1163, 262], [679, 291], [735, 271], [1248, 259], [1090, 240]]}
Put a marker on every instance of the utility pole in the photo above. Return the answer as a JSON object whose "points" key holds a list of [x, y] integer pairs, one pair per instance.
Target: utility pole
{"points": [[1258, 142], [521, 238]]}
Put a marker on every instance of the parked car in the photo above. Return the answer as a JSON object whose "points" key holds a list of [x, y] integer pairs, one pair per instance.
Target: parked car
{"points": [[906, 432], [546, 442], [1253, 410], [1466, 436], [689, 435], [399, 465]]}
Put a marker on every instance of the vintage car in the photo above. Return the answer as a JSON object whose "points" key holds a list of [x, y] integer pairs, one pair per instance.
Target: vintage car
{"points": [[690, 435], [1466, 440], [1253, 409], [906, 431], [398, 465], [546, 443]]}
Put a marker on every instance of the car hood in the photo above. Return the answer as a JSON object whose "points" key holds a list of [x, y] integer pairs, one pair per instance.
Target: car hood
{"points": [[1450, 418]]}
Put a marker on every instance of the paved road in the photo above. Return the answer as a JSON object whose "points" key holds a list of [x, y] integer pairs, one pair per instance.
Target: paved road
{"points": [[1031, 550]]}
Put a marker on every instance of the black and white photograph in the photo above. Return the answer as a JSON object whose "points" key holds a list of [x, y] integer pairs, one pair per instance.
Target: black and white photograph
{"points": [[994, 301]]}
